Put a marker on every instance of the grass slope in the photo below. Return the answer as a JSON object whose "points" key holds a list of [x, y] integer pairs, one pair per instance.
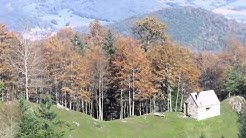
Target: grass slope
{"points": [[9, 116], [172, 126]]}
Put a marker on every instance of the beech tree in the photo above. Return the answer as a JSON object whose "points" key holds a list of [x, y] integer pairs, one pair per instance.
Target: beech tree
{"points": [[133, 75], [97, 69], [173, 66], [97, 34], [150, 31], [66, 70], [26, 59], [7, 74]]}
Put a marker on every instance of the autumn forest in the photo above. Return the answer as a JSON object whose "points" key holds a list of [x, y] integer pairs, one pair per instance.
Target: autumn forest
{"points": [[111, 76]]}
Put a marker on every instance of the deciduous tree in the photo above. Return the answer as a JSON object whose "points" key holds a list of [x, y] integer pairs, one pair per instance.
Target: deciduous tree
{"points": [[150, 31]]}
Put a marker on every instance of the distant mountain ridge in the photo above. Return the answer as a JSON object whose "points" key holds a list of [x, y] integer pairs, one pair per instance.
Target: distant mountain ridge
{"points": [[196, 28], [55, 14]]}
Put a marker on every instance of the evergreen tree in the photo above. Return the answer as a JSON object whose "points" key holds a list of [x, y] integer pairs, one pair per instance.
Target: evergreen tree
{"points": [[47, 117], [78, 43], [38, 125], [234, 82], [29, 125], [109, 45], [242, 120]]}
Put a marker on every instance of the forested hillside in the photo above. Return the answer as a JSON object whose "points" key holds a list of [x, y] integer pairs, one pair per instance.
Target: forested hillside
{"points": [[192, 27], [173, 125], [55, 14], [111, 76]]}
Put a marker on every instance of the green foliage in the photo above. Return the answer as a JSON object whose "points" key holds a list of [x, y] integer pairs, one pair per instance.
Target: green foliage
{"points": [[48, 124], [30, 124], [39, 124], [193, 27], [202, 136], [150, 30], [173, 125], [78, 43], [109, 45], [9, 118], [242, 120], [234, 83]]}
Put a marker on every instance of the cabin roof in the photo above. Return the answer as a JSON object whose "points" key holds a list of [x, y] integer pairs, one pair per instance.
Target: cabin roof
{"points": [[205, 98]]}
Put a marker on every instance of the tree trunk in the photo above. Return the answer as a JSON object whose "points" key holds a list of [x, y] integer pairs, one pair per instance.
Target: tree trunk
{"points": [[170, 98], [181, 100], [154, 99], [26, 77], [121, 104], [129, 96], [133, 93], [150, 107], [70, 104], [102, 98], [86, 108], [177, 96], [65, 99], [99, 98], [2, 95]]}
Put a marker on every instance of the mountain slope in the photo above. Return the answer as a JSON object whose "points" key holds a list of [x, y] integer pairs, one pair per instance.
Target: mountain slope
{"points": [[173, 125], [193, 27], [50, 15]]}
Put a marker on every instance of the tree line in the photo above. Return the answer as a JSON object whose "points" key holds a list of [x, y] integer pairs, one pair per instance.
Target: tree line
{"points": [[110, 76]]}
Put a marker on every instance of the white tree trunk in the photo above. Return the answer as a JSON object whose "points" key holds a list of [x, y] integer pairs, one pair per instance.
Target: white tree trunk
{"points": [[121, 104], [177, 96], [129, 95], [133, 93]]}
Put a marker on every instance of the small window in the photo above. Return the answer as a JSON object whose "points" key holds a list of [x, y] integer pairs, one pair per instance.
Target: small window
{"points": [[207, 108]]}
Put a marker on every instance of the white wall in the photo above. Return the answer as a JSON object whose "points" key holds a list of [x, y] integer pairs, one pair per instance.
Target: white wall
{"points": [[213, 111], [192, 108]]}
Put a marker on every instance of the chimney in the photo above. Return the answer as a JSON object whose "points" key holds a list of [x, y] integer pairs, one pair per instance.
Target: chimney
{"points": [[196, 95]]}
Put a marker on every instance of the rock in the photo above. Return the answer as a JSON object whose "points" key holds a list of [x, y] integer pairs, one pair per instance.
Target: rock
{"points": [[237, 103], [76, 123]]}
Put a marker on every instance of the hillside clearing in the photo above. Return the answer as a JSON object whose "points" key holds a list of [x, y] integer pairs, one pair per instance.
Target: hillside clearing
{"points": [[173, 125], [9, 116]]}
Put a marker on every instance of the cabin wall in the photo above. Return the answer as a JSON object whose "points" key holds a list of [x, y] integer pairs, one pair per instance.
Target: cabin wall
{"points": [[208, 111], [192, 108]]}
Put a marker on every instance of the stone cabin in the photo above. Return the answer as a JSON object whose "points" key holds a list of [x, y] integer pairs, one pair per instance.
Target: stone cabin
{"points": [[202, 105]]}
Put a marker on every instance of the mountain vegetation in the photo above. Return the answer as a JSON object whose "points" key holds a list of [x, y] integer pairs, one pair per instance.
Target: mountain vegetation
{"points": [[173, 125], [110, 76], [196, 28], [46, 15]]}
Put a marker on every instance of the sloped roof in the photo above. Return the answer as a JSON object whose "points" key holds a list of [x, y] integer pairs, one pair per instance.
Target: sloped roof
{"points": [[205, 98]]}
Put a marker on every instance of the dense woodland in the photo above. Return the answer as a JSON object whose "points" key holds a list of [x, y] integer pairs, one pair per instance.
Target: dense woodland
{"points": [[110, 76], [195, 28]]}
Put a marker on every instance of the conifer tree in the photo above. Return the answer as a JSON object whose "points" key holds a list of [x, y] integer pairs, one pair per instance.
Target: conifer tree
{"points": [[234, 82], [30, 124], [47, 120], [109, 46], [242, 120]]}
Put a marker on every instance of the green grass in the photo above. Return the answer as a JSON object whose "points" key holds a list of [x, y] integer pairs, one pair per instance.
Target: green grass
{"points": [[150, 126], [147, 126], [9, 118]]}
